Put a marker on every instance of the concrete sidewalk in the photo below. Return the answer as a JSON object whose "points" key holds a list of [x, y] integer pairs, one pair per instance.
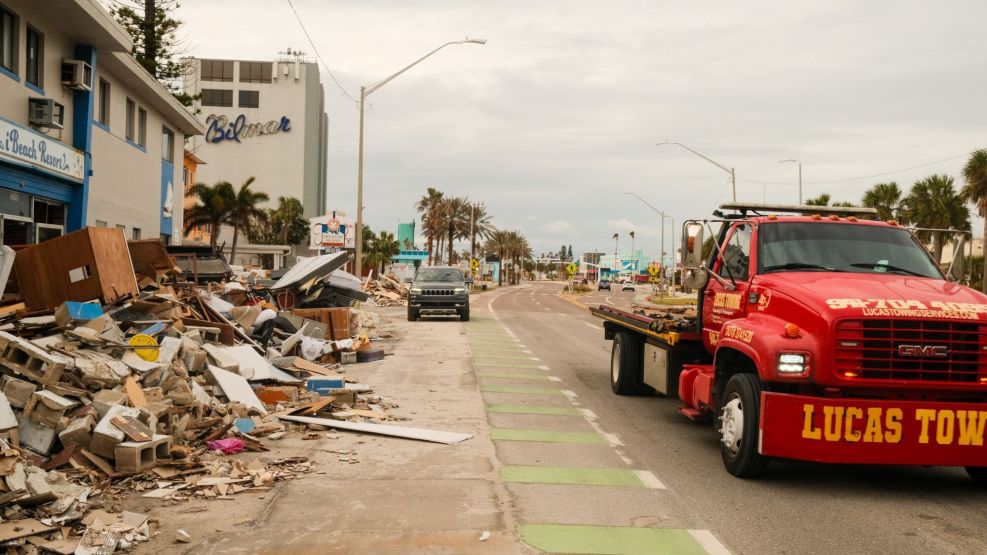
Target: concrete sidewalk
{"points": [[373, 494]]}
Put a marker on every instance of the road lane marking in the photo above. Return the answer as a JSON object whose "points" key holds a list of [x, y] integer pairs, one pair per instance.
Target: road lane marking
{"points": [[529, 409], [506, 375], [579, 476], [594, 326], [520, 389], [709, 542], [545, 436], [503, 364], [569, 538], [543, 367], [570, 394], [587, 413]]}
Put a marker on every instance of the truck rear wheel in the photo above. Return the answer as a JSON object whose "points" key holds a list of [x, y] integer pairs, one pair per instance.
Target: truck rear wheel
{"points": [[625, 364], [739, 414], [978, 474]]}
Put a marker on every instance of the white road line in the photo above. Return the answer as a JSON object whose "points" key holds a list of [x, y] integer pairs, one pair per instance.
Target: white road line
{"points": [[709, 542], [536, 359], [649, 480], [594, 326], [543, 367], [588, 413], [554, 379], [525, 352], [571, 395], [627, 460], [612, 439]]}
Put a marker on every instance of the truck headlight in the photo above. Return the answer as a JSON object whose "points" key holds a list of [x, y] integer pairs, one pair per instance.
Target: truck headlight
{"points": [[416, 290], [792, 363]]}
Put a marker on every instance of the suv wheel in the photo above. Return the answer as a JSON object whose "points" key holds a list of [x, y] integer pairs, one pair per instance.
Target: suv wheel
{"points": [[412, 315], [464, 314]]}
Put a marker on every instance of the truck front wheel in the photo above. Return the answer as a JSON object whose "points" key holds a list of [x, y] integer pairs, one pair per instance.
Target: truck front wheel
{"points": [[978, 474], [738, 418], [625, 364]]}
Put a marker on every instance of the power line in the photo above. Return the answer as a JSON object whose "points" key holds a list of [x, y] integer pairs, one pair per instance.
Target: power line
{"points": [[319, 56], [848, 179]]}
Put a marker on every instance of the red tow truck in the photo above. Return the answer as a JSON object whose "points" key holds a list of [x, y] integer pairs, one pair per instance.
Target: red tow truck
{"points": [[819, 335]]}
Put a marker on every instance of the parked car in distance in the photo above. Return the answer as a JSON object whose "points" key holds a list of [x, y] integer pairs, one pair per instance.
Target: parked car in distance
{"points": [[603, 284], [439, 290], [627, 286]]}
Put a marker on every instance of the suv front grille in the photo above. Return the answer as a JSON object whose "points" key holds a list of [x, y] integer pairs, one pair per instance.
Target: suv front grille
{"points": [[924, 350], [436, 292]]}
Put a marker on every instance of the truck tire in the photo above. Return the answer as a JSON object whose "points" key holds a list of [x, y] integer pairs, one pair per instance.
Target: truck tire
{"points": [[412, 315], [625, 364], [739, 414], [978, 474]]}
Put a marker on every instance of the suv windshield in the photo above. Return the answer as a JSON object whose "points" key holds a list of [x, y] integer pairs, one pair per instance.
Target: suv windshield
{"points": [[814, 247], [451, 275]]}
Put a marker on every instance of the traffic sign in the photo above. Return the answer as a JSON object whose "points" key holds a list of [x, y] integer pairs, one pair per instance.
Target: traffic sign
{"points": [[572, 269], [474, 263], [654, 269]]}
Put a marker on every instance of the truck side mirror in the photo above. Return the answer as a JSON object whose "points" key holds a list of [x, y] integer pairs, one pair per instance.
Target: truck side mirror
{"points": [[695, 278], [692, 245], [957, 269]]}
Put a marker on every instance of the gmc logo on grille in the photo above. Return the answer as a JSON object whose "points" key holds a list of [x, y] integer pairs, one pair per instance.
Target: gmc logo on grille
{"points": [[923, 351]]}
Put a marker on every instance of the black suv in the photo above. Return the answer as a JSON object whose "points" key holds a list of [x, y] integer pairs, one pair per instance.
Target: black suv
{"points": [[439, 290]]}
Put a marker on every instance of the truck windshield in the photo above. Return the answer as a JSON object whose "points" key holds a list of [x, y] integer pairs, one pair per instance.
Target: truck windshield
{"points": [[439, 274], [837, 247]]}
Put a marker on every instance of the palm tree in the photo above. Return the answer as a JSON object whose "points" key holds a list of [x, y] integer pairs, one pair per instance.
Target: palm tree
{"points": [[386, 247], [287, 219], [975, 191], [885, 198], [455, 221], [211, 208], [518, 249], [821, 200], [370, 259], [934, 203], [497, 245], [428, 207], [244, 209], [481, 226]]}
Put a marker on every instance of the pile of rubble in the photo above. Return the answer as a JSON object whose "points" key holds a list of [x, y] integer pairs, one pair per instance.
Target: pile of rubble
{"points": [[117, 375], [386, 291]]}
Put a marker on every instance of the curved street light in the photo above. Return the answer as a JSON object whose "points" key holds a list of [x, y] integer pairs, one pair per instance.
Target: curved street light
{"points": [[364, 93], [799, 162], [733, 176], [661, 253]]}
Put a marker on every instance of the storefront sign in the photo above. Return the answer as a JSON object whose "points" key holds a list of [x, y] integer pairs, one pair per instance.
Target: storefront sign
{"points": [[328, 232], [222, 129], [28, 147]]}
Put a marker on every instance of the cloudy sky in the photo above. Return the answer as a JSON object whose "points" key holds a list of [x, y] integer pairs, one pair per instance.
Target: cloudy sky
{"points": [[558, 115]]}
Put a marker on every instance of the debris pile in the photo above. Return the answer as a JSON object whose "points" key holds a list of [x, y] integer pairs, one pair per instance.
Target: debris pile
{"points": [[386, 291], [117, 374]]}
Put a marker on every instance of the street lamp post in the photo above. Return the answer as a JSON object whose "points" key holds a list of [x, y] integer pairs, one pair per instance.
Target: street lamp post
{"points": [[661, 251], [733, 175], [800, 176], [364, 93]]}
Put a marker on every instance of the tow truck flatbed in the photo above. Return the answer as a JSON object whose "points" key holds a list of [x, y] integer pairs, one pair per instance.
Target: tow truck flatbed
{"points": [[656, 328]]}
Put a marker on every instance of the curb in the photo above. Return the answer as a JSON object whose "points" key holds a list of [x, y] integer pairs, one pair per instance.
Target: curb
{"points": [[573, 300]]}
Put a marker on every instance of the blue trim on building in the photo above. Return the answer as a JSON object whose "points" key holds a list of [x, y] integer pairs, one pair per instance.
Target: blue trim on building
{"points": [[102, 126], [167, 180], [83, 103], [33, 182], [10, 74], [135, 145], [34, 88]]}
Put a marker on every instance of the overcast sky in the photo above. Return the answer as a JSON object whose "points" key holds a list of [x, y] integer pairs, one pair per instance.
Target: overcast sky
{"points": [[558, 115]]}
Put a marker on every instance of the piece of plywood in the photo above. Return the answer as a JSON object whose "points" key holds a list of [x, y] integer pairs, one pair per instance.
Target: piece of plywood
{"points": [[23, 528], [315, 407], [435, 436], [236, 388], [134, 391], [135, 429]]}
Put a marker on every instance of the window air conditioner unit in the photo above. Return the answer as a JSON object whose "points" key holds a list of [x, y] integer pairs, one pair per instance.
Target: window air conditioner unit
{"points": [[45, 112], [77, 75]]}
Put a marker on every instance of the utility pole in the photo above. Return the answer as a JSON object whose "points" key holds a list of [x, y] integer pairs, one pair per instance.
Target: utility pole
{"points": [[800, 176]]}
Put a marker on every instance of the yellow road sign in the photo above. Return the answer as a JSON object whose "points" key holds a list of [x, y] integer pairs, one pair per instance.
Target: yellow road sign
{"points": [[150, 353], [572, 268], [653, 269], [474, 263]]}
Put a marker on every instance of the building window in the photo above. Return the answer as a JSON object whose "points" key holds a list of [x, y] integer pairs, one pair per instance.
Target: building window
{"points": [[217, 70], [35, 58], [217, 97], [104, 102], [8, 40], [142, 127], [255, 72], [249, 99], [167, 145], [131, 113], [136, 234]]}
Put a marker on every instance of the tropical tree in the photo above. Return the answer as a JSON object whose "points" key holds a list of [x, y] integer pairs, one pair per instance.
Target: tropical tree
{"points": [[821, 200], [212, 207], [518, 249], [886, 199], [481, 226], [244, 210], [288, 221], [383, 247], [428, 207], [933, 203], [497, 245], [455, 221], [975, 190]]}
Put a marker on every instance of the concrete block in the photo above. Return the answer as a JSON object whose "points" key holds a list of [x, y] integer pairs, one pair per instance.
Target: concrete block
{"points": [[195, 360], [46, 408], [17, 391], [37, 481], [168, 349], [30, 361], [107, 398], [222, 359], [138, 456], [78, 432], [36, 437], [106, 436], [17, 479]]}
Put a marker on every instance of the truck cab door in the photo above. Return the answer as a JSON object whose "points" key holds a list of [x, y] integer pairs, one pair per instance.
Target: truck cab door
{"points": [[726, 300]]}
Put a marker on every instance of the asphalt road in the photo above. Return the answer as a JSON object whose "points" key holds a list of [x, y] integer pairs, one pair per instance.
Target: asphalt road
{"points": [[795, 508]]}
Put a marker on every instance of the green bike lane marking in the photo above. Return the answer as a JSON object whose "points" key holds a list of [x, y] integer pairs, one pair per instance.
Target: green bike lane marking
{"points": [[493, 364], [615, 477], [521, 389], [608, 540], [525, 409], [587, 438], [509, 376]]}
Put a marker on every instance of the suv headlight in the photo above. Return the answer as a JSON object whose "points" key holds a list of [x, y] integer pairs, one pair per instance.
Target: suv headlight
{"points": [[792, 364], [416, 290], [459, 290]]}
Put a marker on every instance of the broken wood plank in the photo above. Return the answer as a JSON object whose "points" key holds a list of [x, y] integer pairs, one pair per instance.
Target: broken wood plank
{"points": [[314, 407], [135, 429], [23, 528], [435, 436], [136, 394]]}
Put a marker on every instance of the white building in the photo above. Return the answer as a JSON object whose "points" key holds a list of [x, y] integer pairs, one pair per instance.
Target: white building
{"points": [[87, 136], [264, 119]]}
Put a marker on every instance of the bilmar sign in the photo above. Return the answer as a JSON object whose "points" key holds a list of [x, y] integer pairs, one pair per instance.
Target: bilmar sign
{"points": [[222, 129], [28, 147]]}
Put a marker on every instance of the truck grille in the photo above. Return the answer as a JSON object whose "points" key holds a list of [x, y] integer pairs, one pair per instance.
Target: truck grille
{"points": [[436, 292], [924, 350]]}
